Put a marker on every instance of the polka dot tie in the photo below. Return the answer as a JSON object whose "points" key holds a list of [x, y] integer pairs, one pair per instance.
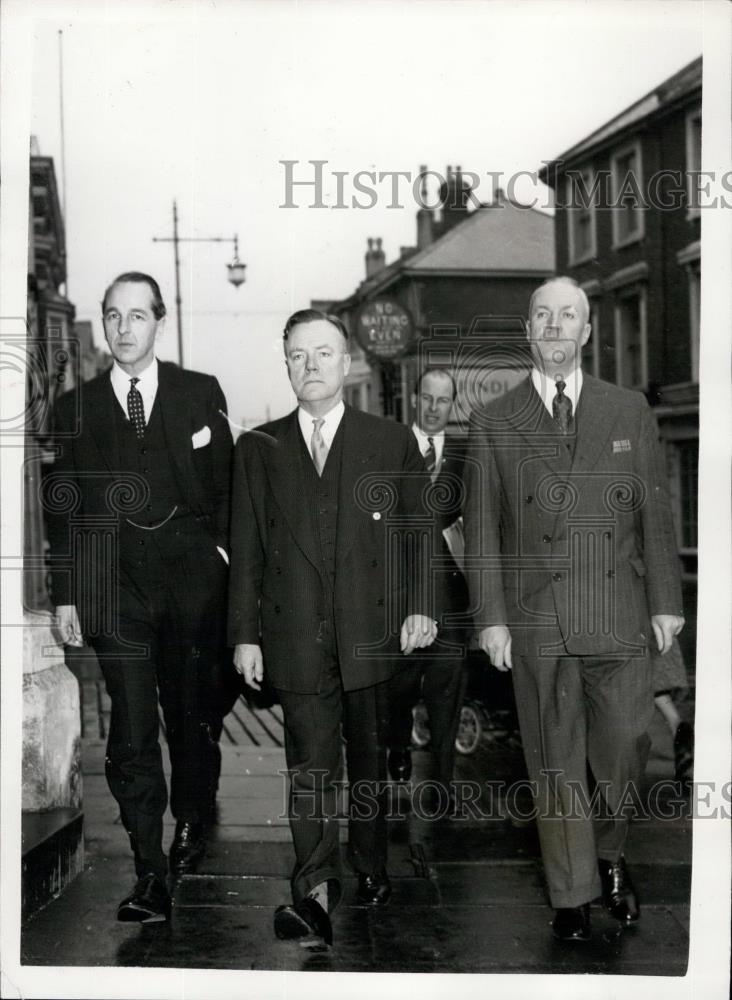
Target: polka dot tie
{"points": [[136, 408], [318, 447]]}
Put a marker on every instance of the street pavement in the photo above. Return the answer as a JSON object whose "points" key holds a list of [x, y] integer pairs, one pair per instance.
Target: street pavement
{"points": [[469, 894]]}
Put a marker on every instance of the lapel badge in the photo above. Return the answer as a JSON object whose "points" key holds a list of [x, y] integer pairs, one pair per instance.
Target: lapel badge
{"points": [[622, 445]]}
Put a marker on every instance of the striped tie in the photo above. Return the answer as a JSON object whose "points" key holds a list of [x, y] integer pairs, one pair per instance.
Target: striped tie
{"points": [[430, 457], [136, 408]]}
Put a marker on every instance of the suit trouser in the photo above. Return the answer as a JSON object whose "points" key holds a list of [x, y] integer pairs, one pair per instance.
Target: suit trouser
{"points": [[314, 725], [165, 649], [574, 712], [441, 682]]}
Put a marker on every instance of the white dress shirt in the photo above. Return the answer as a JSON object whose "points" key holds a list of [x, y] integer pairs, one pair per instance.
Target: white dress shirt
{"points": [[438, 441], [331, 421], [147, 386], [547, 389]]}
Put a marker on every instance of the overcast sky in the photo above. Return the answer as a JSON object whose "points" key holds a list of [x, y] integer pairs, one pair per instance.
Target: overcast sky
{"points": [[201, 102]]}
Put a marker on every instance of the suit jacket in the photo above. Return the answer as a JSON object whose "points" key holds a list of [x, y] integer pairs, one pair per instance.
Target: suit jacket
{"points": [[278, 595], [85, 481], [445, 500], [580, 548]]}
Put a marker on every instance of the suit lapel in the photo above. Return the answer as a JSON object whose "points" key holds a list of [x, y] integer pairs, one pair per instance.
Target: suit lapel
{"points": [[284, 465], [359, 450], [100, 419], [595, 420], [175, 413], [529, 417]]}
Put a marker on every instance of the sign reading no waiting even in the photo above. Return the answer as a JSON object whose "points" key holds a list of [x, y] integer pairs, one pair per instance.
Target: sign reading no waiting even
{"points": [[384, 328]]}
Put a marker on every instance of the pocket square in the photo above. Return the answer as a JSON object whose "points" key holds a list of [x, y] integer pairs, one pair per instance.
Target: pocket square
{"points": [[622, 445], [202, 437]]}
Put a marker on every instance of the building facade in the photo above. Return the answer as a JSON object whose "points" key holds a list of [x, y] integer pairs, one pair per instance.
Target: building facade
{"points": [[465, 285], [627, 228]]}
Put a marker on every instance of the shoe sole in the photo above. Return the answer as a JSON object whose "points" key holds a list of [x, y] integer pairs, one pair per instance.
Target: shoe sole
{"points": [[288, 926], [131, 914]]}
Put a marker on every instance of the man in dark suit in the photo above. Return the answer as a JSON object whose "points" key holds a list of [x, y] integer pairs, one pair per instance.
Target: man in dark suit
{"points": [[439, 673], [573, 574], [144, 468], [320, 584]]}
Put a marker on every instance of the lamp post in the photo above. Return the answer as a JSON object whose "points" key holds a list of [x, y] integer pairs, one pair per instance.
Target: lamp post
{"points": [[236, 269]]}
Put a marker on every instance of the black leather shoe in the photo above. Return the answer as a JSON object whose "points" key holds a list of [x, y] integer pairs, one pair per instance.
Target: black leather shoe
{"points": [[572, 923], [148, 903], [684, 752], [307, 921], [373, 890], [618, 893], [187, 848], [400, 764]]}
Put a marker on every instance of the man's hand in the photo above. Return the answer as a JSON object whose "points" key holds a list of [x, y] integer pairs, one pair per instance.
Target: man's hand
{"points": [[417, 632], [248, 663], [495, 641], [68, 625], [665, 627]]}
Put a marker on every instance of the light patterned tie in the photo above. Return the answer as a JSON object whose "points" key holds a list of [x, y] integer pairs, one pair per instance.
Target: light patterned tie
{"points": [[318, 447], [562, 408], [136, 408]]}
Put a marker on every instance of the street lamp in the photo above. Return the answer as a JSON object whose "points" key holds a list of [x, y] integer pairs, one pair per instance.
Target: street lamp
{"points": [[236, 269]]}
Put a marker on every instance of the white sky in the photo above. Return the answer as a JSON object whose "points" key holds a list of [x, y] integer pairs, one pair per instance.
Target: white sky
{"points": [[199, 102]]}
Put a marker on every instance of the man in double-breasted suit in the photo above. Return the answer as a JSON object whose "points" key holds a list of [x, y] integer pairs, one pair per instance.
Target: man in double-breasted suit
{"points": [[323, 595], [438, 673], [573, 574], [138, 511]]}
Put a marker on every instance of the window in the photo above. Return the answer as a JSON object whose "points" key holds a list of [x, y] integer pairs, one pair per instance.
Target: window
{"points": [[630, 340], [693, 160], [627, 195], [581, 194], [688, 453]]}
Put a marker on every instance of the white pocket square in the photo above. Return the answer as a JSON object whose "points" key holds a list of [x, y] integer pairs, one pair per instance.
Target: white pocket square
{"points": [[202, 437]]}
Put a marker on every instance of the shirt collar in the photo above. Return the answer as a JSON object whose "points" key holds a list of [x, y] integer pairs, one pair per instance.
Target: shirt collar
{"points": [[331, 421], [422, 436], [546, 387], [147, 380]]}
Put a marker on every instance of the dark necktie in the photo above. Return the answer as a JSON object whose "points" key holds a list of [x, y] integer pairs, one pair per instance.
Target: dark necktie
{"points": [[562, 409], [430, 457], [318, 446], [136, 408]]}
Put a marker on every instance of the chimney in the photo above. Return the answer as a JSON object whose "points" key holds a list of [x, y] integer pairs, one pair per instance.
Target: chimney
{"points": [[425, 216], [454, 197], [375, 257]]}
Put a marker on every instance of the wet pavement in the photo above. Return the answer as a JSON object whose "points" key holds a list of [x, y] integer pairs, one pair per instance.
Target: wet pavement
{"points": [[469, 894]]}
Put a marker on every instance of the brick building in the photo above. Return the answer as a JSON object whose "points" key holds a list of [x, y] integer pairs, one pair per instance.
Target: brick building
{"points": [[627, 228]]}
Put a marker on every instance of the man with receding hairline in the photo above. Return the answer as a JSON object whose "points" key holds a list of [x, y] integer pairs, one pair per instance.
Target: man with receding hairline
{"points": [[575, 573], [317, 605]]}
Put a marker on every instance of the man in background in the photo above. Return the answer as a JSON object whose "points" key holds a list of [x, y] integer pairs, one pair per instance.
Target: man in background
{"points": [[437, 674], [145, 450]]}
